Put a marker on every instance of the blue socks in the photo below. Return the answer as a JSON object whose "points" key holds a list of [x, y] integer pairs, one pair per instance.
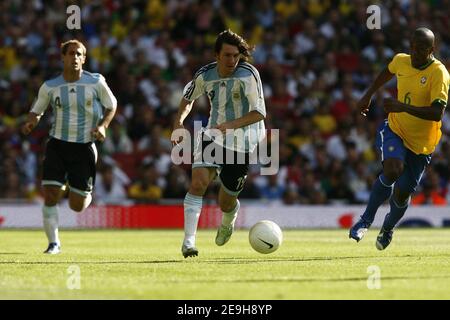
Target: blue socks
{"points": [[396, 213], [381, 191]]}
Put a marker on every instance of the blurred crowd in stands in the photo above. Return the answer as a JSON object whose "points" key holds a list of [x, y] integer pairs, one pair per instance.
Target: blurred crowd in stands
{"points": [[315, 58]]}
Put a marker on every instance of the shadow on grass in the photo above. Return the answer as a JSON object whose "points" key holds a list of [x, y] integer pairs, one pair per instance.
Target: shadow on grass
{"points": [[305, 280], [307, 259], [90, 262], [11, 253], [221, 260]]}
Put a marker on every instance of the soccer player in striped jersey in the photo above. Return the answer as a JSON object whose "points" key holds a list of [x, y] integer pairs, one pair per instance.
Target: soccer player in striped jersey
{"points": [[76, 97], [410, 135], [235, 93]]}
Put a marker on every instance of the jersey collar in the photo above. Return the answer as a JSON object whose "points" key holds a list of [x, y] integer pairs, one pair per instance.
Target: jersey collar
{"points": [[426, 65]]}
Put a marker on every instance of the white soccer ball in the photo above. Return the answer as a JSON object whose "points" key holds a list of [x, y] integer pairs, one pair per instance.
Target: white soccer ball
{"points": [[265, 236]]}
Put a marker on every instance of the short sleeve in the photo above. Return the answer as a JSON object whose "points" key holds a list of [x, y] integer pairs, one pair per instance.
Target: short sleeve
{"points": [[42, 101], [106, 97], [439, 87], [194, 89], [393, 65], [255, 96]]}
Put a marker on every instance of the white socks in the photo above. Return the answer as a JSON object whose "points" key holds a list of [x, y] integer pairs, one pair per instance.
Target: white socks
{"points": [[192, 209], [50, 215], [228, 218]]}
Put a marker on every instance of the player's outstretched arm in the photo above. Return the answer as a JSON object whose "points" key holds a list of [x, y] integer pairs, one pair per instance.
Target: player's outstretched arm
{"points": [[31, 123], [381, 79]]}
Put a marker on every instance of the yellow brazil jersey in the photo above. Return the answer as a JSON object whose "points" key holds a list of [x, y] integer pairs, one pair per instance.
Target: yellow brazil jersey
{"points": [[419, 88]]}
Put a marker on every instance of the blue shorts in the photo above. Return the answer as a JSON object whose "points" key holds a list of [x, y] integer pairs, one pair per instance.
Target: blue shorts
{"points": [[391, 146]]}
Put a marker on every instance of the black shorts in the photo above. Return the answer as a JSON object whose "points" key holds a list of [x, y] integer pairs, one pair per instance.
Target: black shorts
{"points": [[232, 174], [70, 162]]}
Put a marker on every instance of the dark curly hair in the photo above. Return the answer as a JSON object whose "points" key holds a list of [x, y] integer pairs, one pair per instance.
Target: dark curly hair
{"points": [[229, 37]]}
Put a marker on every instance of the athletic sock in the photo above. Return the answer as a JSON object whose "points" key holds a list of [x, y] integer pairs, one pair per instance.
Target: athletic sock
{"points": [[228, 218], [396, 213], [192, 209], [381, 191], [50, 215]]}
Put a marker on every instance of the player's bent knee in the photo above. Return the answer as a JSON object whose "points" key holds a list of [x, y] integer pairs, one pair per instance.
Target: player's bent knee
{"points": [[393, 170], [226, 202], [51, 201], [78, 202], [198, 186], [77, 207], [402, 194], [227, 206], [51, 196], [392, 175]]}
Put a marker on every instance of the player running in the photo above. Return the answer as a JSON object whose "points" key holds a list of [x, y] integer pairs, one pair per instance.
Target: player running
{"points": [[409, 136], [235, 93], [76, 97]]}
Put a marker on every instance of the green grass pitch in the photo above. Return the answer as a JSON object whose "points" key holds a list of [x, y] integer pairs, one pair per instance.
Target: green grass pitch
{"points": [[147, 264]]}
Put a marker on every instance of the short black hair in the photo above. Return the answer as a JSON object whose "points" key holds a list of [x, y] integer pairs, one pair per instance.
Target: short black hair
{"points": [[424, 36]]}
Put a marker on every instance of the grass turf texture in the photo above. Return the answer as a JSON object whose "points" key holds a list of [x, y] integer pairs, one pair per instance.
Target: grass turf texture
{"points": [[147, 264]]}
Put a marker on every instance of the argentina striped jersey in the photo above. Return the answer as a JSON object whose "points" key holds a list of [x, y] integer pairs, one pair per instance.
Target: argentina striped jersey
{"points": [[231, 98], [77, 106]]}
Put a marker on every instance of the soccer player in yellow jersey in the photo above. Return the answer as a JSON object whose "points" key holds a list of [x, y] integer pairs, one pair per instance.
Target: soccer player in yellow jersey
{"points": [[410, 134]]}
